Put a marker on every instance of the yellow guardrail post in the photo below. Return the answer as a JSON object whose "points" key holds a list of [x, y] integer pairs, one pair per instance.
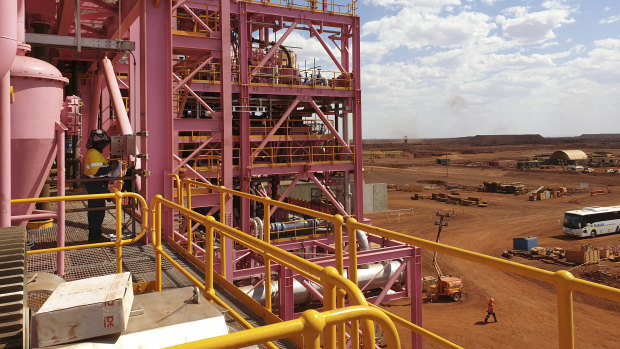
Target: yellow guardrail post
{"points": [[190, 235], [118, 199], [157, 239], [209, 256], [222, 238], [329, 303], [565, 309], [267, 239], [313, 324], [352, 249]]}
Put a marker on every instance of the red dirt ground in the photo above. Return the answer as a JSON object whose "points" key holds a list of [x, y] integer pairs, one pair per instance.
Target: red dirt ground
{"points": [[526, 308]]}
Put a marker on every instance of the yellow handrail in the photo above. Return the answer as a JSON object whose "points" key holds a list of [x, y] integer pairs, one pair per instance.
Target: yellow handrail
{"points": [[310, 324], [563, 280], [118, 198], [328, 277]]}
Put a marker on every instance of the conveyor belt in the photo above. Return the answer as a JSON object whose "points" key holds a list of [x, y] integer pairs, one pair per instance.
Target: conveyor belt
{"points": [[13, 315]]}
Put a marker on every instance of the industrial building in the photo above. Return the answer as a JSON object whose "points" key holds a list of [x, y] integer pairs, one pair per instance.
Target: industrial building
{"points": [[569, 157]]}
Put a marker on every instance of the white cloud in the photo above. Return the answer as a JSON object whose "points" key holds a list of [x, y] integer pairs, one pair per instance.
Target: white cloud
{"points": [[431, 5], [415, 28], [610, 20], [534, 27]]}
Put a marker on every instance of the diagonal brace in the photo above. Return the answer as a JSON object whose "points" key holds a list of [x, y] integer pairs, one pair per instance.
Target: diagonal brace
{"points": [[327, 49], [331, 198], [197, 19], [286, 192], [330, 127], [191, 75], [276, 127], [194, 153], [200, 100], [273, 49]]}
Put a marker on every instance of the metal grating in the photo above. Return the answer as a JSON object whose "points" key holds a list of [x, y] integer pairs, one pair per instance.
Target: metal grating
{"points": [[13, 333], [138, 259]]}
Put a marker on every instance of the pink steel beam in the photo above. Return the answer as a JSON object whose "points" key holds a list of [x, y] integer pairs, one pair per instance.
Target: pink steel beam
{"points": [[330, 127], [389, 283], [190, 169], [197, 19], [273, 49], [179, 3], [200, 100], [94, 101], [327, 49], [191, 75], [276, 127], [191, 156], [122, 82], [60, 162], [329, 195], [66, 17], [286, 192]]}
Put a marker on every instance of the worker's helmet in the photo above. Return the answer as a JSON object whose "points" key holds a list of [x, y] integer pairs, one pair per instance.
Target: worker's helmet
{"points": [[97, 137], [491, 301]]}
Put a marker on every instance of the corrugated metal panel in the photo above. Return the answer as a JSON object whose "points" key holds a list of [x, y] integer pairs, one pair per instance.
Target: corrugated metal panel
{"points": [[12, 285]]}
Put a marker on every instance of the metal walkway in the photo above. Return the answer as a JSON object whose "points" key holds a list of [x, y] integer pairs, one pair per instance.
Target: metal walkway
{"points": [[138, 259]]}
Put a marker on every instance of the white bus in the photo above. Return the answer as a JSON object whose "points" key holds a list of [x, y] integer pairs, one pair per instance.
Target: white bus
{"points": [[592, 221]]}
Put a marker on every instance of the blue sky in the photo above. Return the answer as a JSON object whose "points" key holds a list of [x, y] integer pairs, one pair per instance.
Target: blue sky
{"points": [[450, 68]]}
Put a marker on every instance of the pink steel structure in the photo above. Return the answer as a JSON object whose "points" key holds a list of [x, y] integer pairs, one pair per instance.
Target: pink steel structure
{"points": [[224, 101]]}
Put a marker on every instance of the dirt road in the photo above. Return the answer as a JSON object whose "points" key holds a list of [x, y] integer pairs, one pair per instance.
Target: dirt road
{"points": [[526, 309]]}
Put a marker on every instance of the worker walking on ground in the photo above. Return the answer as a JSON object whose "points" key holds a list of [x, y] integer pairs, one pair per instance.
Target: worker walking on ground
{"points": [[491, 310], [97, 166]]}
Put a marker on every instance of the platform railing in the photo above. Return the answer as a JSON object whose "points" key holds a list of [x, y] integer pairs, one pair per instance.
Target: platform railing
{"points": [[118, 243], [332, 282], [563, 280], [310, 325]]}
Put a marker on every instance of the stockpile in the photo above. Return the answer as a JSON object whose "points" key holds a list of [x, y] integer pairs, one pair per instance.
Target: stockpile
{"points": [[453, 198], [499, 187], [542, 193], [587, 254]]}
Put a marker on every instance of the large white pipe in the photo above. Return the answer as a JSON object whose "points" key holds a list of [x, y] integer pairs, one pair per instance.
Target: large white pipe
{"points": [[302, 295], [119, 108]]}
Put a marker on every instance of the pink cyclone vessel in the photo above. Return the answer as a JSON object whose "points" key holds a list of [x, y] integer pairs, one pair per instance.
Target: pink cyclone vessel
{"points": [[35, 111]]}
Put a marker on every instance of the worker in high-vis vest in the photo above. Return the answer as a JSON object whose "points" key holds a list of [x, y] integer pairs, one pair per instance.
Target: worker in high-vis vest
{"points": [[97, 166]]}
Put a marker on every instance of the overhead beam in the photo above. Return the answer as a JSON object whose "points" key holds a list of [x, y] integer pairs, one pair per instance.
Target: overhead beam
{"points": [[63, 41]]}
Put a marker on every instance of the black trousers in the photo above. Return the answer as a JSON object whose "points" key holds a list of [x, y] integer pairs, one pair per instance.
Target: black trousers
{"points": [[488, 315], [95, 218]]}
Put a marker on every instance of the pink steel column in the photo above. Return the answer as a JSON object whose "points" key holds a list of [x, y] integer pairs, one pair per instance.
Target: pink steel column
{"points": [[134, 77], [414, 290], [156, 100], [227, 135], [357, 123], [8, 46], [94, 103], [245, 161], [60, 223]]}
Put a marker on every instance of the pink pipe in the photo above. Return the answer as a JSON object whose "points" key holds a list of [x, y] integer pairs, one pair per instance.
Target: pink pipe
{"points": [[60, 164], [8, 35], [8, 48], [33, 216], [94, 102], [5, 150], [117, 98], [119, 108]]}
